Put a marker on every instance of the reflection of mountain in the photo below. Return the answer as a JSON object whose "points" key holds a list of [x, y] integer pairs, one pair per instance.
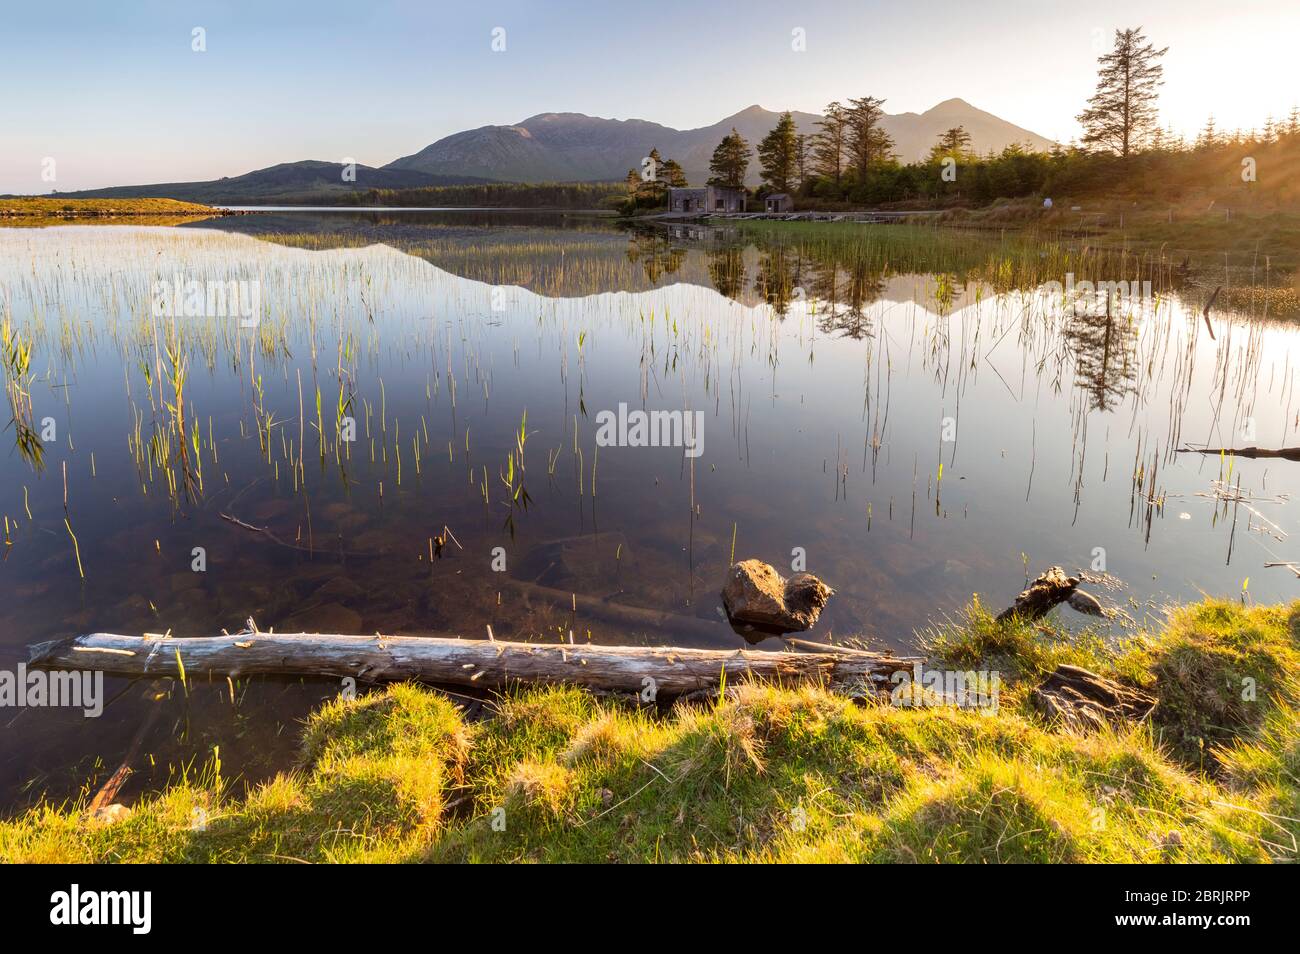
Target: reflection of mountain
{"points": [[1104, 366], [576, 256]]}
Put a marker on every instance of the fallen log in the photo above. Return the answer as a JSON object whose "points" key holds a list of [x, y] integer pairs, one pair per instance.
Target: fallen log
{"points": [[466, 662], [1250, 453]]}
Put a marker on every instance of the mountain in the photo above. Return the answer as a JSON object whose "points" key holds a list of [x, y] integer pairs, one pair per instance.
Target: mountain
{"points": [[561, 147], [915, 133], [576, 147], [286, 182]]}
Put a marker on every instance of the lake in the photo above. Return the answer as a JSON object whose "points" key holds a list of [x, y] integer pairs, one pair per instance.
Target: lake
{"points": [[402, 434]]}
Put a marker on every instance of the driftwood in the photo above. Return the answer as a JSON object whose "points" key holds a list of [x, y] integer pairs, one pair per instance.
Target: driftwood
{"points": [[1206, 313], [465, 662], [1252, 453], [1083, 699], [1042, 595]]}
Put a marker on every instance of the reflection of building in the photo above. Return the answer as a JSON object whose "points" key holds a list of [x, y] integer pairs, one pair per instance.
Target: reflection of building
{"points": [[778, 202], [692, 233], [707, 199]]}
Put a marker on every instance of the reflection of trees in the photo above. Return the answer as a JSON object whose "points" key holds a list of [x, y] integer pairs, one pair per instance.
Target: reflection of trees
{"points": [[779, 277], [657, 256], [727, 271], [1104, 348], [846, 292]]}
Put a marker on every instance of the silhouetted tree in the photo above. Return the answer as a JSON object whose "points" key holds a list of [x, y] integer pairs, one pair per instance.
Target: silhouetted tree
{"points": [[830, 143], [868, 143], [1122, 112]]}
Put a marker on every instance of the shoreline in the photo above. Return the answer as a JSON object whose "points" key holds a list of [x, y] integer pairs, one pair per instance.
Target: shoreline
{"points": [[406, 773]]}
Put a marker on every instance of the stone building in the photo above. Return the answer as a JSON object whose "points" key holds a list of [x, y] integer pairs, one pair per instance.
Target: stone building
{"points": [[706, 200]]}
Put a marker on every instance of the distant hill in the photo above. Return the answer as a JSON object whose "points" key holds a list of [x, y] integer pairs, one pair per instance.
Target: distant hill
{"points": [[286, 182], [576, 147], [560, 147]]}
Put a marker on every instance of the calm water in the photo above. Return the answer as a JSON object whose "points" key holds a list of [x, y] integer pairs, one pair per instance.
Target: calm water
{"points": [[909, 414]]}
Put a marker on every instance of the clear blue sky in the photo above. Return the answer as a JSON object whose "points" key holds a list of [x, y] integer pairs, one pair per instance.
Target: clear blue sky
{"points": [[113, 92]]}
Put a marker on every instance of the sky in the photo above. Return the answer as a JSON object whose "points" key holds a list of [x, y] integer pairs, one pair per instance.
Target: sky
{"points": [[114, 92]]}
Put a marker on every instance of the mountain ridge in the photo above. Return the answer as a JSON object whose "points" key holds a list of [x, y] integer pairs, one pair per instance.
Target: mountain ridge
{"points": [[591, 148], [565, 147], [284, 179]]}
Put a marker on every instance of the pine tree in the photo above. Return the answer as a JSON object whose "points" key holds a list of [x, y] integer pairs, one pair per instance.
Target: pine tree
{"points": [[830, 142], [868, 142], [730, 162], [672, 175], [1209, 136], [1122, 112], [778, 155], [954, 142], [801, 147]]}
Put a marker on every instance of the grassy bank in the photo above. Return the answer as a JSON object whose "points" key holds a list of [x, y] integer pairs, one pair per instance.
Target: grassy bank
{"points": [[1205, 232], [769, 774], [96, 208], [1255, 258]]}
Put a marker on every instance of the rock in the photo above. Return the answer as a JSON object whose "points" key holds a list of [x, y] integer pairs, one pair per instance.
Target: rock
{"points": [[1086, 603], [805, 595], [756, 594], [1083, 699]]}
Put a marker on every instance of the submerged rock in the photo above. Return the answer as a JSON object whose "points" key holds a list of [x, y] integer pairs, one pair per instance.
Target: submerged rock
{"points": [[756, 594]]}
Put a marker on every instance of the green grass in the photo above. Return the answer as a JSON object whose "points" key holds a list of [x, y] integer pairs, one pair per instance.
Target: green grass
{"points": [[773, 774], [1017, 245], [56, 207]]}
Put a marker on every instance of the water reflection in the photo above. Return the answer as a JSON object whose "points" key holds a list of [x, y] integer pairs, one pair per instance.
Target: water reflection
{"points": [[907, 409]]}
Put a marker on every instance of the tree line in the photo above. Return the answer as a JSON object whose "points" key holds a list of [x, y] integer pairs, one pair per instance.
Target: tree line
{"points": [[850, 157]]}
